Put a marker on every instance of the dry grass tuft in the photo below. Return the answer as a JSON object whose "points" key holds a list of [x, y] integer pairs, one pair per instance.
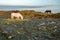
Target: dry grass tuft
{"points": [[14, 20]]}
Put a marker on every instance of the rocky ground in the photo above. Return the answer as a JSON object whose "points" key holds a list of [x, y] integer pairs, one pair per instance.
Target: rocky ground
{"points": [[34, 29]]}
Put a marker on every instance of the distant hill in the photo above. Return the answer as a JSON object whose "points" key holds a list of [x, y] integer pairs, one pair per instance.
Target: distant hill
{"points": [[32, 14]]}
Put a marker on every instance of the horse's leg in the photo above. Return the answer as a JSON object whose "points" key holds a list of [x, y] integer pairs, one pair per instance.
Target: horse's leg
{"points": [[21, 17], [12, 17], [17, 17]]}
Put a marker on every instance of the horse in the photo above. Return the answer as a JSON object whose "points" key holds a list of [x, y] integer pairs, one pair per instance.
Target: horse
{"points": [[48, 11], [16, 15]]}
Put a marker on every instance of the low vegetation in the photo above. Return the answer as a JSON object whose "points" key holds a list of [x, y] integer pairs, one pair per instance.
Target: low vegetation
{"points": [[32, 14], [31, 28]]}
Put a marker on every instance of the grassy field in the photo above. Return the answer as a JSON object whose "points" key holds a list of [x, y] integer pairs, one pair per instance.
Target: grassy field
{"points": [[29, 29], [31, 14]]}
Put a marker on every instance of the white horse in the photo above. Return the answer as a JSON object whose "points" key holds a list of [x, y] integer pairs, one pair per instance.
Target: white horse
{"points": [[17, 15]]}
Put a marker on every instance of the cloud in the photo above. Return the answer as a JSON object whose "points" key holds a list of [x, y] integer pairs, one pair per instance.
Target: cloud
{"points": [[28, 2], [15, 2]]}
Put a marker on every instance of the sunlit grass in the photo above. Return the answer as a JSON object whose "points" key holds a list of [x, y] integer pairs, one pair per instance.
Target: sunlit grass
{"points": [[14, 20]]}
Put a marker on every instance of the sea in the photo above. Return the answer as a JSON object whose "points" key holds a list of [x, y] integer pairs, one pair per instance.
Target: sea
{"points": [[53, 8]]}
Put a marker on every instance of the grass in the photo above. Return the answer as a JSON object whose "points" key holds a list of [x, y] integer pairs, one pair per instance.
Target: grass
{"points": [[32, 14], [14, 20]]}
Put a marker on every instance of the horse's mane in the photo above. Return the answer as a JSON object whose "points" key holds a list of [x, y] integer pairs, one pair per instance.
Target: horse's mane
{"points": [[15, 11]]}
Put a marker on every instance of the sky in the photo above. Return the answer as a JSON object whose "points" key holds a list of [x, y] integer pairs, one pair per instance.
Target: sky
{"points": [[30, 2]]}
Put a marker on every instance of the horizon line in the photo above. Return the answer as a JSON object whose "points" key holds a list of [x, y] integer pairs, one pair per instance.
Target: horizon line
{"points": [[29, 5]]}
